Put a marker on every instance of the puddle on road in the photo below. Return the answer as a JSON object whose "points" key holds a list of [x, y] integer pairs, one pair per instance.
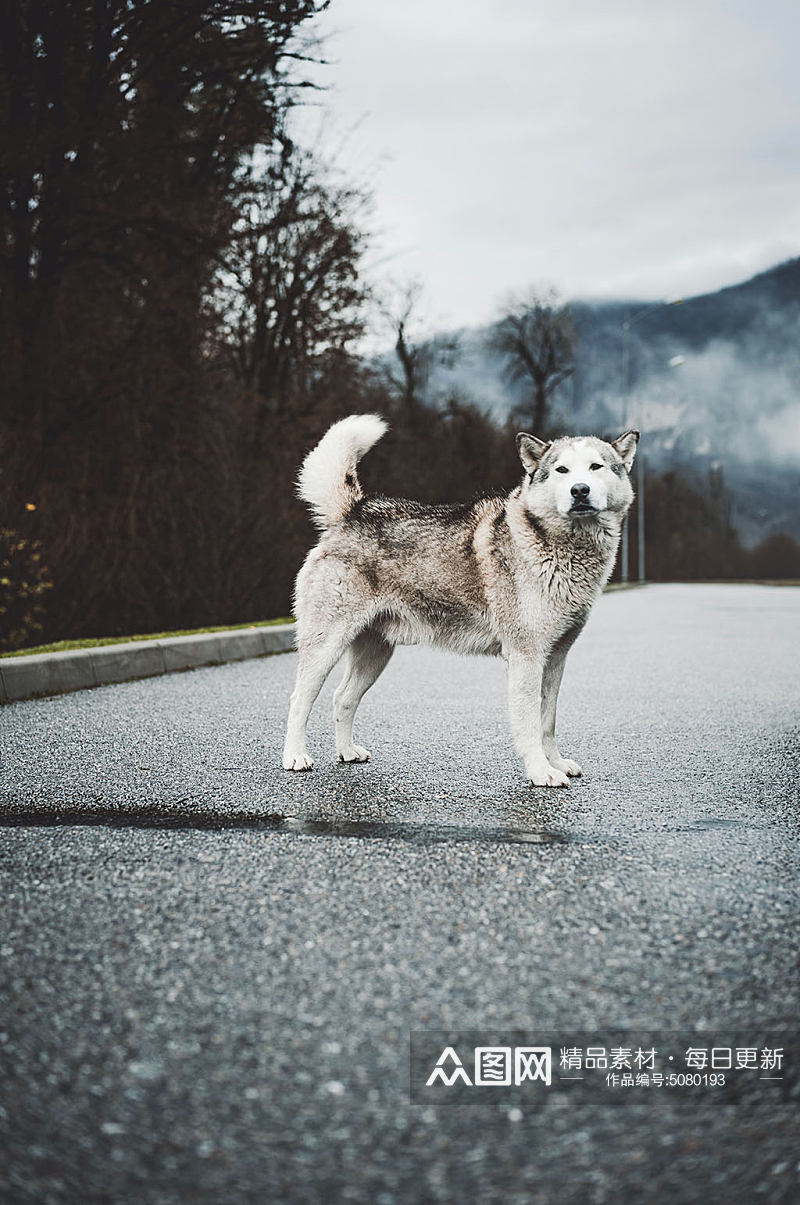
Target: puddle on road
{"points": [[211, 821], [422, 833], [708, 824]]}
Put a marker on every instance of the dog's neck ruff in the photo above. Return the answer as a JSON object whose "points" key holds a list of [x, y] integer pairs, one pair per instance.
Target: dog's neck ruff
{"points": [[577, 551], [579, 530]]}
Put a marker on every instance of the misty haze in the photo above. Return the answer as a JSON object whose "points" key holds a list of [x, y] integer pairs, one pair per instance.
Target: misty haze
{"points": [[714, 385]]}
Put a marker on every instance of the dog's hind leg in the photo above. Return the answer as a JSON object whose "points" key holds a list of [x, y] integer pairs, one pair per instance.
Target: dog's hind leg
{"points": [[317, 659], [367, 658]]}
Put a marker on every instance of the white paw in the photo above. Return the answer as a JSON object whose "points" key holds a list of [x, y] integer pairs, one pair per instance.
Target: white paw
{"points": [[566, 766], [355, 753], [297, 761], [542, 774]]}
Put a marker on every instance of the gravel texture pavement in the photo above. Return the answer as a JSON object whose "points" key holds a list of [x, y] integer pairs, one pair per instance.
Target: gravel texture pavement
{"points": [[210, 968]]}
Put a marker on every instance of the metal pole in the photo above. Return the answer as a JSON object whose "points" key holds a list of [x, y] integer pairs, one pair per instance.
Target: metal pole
{"points": [[640, 514], [624, 550]]}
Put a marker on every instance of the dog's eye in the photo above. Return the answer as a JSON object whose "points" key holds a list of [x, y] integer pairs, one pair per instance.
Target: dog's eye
{"points": [[561, 468], [595, 466]]}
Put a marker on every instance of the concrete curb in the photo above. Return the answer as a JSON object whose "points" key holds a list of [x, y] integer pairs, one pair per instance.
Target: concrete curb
{"points": [[78, 669]]}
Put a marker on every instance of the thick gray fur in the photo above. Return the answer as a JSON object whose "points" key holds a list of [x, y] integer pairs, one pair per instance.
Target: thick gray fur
{"points": [[514, 576]]}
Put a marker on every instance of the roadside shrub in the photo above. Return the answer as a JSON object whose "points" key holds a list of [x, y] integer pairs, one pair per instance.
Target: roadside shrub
{"points": [[776, 557], [23, 584]]}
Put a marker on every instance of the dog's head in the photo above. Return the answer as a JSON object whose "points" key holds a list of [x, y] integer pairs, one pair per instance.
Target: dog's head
{"points": [[579, 479]]}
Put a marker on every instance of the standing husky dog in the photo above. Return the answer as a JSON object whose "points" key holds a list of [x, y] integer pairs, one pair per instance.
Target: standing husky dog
{"points": [[512, 575]]}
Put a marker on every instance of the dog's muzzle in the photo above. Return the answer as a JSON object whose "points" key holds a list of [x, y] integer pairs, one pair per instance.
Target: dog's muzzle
{"points": [[581, 503]]}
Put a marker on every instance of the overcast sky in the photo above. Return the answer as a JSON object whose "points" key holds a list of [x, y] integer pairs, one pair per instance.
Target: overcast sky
{"points": [[637, 148]]}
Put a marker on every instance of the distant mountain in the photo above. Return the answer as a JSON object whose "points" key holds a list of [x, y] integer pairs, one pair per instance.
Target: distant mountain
{"points": [[712, 382], [727, 314]]}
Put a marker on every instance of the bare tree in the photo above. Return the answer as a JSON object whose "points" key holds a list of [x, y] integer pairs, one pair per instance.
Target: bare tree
{"points": [[417, 357], [288, 291], [537, 338]]}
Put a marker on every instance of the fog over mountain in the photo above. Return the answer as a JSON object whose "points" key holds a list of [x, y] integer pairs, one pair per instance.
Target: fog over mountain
{"points": [[713, 382]]}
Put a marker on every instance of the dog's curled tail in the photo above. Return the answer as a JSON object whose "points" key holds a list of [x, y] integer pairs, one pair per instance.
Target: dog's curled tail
{"points": [[327, 480]]}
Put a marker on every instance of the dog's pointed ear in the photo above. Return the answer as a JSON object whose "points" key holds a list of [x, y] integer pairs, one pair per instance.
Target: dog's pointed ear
{"points": [[625, 446], [531, 450]]}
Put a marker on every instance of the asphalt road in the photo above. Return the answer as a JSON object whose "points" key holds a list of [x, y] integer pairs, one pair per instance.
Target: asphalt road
{"points": [[198, 1007]]}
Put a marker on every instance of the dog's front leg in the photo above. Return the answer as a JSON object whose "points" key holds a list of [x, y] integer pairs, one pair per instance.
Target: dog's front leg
{"points": [[525, 708], [551, 683]]}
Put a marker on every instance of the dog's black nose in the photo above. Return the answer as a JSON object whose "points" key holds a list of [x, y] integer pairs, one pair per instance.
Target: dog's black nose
{"points": [[580, 490]]}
